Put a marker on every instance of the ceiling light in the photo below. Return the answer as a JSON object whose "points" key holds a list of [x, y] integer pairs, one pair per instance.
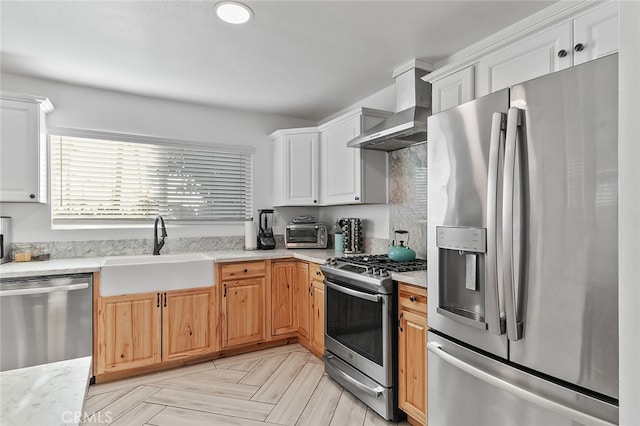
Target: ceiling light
{"points": [[233, 12]]}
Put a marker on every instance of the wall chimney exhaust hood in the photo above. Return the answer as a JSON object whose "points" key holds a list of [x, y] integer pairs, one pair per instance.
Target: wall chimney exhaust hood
{"points": [[408, 126]]}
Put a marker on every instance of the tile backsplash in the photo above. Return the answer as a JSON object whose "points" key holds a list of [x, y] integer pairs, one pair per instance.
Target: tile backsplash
{"points": [[408, 195], [98, 248], [125, 247]]}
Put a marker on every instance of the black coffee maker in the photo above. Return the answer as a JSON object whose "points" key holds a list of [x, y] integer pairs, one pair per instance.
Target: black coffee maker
{"points": [[266, 240]]}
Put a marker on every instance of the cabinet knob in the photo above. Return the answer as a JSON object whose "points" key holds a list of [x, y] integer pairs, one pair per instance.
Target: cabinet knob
{"points": [[246, 270], [32, 196], [562, 53], [315, 201], [412, 298], [357, 198], [579, 47]]}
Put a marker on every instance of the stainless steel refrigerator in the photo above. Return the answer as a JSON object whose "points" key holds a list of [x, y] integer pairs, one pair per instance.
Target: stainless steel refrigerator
{"points": [[522, 254]]}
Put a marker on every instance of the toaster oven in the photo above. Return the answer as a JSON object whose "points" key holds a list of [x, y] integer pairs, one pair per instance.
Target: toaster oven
{"points": [[305, 235]]}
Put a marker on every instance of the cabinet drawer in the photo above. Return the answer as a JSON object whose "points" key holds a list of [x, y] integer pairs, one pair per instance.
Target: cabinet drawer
{"points": [[242, 270], [412, 298], [315, 274]]}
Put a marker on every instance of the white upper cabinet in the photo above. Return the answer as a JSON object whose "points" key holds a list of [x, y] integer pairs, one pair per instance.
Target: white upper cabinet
{"points": [[595, 34], [533, 57], [563, 35], [351, 175], [584, 38], [23, 148], [296, 167], [453, 90]]}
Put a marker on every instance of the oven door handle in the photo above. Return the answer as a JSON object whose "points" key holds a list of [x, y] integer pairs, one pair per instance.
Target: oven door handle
{"points": [[354, 293], [377, 391]]}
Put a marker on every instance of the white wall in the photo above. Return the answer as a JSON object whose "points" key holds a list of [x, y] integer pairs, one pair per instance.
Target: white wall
{"points": [[629, 239], [102, 110]]}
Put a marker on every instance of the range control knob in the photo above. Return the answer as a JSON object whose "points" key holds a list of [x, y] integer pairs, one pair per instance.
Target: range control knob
{"points": [[384, 273]]}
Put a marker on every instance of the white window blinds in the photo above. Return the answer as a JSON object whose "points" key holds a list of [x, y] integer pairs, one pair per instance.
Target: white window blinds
{"points": [[105, 180]]}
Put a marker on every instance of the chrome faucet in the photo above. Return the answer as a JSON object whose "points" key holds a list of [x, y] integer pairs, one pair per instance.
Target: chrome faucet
{"points": [[157, 245]]}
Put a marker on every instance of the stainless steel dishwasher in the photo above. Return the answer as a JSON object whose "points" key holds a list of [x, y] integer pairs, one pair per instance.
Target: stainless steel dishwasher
{"points": [[45, 319]]}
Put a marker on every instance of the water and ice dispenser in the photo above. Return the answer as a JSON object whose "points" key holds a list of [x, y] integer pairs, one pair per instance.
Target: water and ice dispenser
{"points": [[461, 286]]}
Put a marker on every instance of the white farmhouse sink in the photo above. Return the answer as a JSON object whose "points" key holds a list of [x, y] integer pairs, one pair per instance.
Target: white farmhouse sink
{"points": [[148, 273]]}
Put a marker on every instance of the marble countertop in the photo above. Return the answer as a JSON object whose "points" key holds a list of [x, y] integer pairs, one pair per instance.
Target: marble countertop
{"points": [[46, 394], [93, 264], [51, 267], [417, 278]]}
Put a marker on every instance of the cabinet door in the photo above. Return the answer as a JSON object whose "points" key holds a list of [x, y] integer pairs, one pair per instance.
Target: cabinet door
{"points": [[317, 317], [453, 90], [302, 299], [412, 362], [341, 165], [282, 297], [188, 327], [595, 34], [243, 311], [128, 331], [535, 56], [301, 174], [20, 151]]}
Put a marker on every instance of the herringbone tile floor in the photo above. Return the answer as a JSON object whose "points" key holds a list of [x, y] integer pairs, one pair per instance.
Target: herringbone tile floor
{"points": [[278, 386]]}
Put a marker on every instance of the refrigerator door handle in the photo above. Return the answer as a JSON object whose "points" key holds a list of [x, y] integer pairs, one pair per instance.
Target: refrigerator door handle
{"points": [[510, 276], [533, 398], [494, 308]]}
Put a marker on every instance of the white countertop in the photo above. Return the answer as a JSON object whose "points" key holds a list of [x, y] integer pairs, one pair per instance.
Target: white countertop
{"points": [[46, 394], [93, 264]]}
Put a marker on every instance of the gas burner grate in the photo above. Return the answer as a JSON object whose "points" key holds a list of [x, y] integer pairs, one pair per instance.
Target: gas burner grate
{"points": [[383, 261]]}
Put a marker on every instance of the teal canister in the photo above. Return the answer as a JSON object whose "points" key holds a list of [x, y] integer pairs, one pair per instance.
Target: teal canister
{"points": [[338, 239]]}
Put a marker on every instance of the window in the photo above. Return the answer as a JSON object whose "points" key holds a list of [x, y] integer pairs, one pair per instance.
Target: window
{"points": [[105, 178]]}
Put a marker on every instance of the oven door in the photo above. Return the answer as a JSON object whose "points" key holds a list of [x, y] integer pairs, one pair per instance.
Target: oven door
{"points": [[358, 329]]}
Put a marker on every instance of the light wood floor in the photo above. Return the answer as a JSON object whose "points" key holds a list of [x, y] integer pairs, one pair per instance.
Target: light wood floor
{"points": [[278, 386]]}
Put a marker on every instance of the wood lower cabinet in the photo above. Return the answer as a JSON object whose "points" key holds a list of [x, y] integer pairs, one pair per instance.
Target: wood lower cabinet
{"points": [[302, 305], [316, 279], [129, 332], [243, 311], [317, 318], [252, 303], [188, 323], [139, 330], [283, 289], [412, 354]]}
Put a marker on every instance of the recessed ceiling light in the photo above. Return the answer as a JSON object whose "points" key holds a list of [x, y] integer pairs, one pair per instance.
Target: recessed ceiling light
{"points": [[233, 12]]}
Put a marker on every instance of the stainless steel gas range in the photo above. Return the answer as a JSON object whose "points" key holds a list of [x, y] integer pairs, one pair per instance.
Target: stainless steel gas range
{"points": [[361, 333]]}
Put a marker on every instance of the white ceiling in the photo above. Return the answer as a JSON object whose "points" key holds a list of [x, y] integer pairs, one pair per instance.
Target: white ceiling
{"points": [[305, 59]]}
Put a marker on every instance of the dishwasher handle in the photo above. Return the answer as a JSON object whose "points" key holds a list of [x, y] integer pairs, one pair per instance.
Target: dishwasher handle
{"points": [[43, 290]]}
